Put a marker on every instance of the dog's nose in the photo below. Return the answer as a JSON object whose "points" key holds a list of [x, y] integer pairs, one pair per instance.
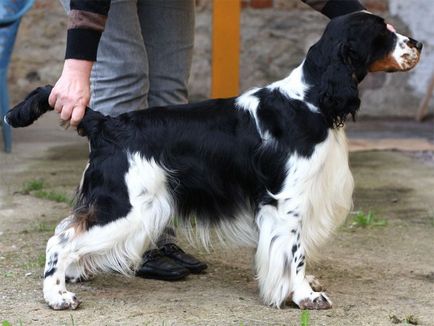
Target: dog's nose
{"points": [[413, 43]]}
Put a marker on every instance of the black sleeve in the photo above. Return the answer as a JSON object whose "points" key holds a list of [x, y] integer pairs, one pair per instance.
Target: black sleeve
{"points": [[86, 22], [334, 8]]}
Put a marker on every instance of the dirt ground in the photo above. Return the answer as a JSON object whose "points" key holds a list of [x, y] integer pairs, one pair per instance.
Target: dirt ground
{"points": [[371, 274]]}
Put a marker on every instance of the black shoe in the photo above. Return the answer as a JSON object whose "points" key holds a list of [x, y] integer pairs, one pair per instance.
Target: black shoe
{"points": [[159, 267], [172, 251]]}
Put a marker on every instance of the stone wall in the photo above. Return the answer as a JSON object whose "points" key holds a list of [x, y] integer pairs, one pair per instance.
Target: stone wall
{"points": [[275, 37]]}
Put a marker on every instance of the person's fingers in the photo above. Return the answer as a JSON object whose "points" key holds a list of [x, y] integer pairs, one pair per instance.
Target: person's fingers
{"points": [[391, 28], [77, 115], [65, 115], [58, 105], [52, 98], [71, 93]]}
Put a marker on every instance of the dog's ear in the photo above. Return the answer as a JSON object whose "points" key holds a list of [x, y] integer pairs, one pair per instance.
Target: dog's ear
{"points": [[339, 95]]}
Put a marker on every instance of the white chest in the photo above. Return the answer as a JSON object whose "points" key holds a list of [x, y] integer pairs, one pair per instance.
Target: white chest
{"points": [[320, 188]]}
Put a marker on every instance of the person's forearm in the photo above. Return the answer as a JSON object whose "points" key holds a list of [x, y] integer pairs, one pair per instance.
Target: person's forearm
{"points": [[334, 8], [86, 22]]}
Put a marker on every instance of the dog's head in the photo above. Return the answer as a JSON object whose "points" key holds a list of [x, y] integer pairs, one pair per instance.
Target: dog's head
{"points": [[366, 43], [351, 46]]}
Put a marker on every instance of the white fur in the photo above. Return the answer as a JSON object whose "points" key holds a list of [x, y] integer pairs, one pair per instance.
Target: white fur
{"points": [[57, 257], [116, 246], [322, 187], [315, 199], [249, 102], [404, 55], [120, 244], [240, 232], [271, 271], [294, 86]]}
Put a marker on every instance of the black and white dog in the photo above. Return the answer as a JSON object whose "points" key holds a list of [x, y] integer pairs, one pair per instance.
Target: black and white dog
{"points": [[267, 169]]}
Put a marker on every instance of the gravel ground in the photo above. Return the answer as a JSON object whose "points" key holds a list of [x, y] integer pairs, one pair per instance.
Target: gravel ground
{"points": [[374, 275]]}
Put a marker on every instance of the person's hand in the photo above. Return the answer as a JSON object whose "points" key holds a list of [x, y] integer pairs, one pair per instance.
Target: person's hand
{"points": [[71, 94]]}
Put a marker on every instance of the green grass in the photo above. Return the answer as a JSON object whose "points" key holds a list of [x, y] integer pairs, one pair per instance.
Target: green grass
{"points": [[40, 260], [304, 318], [20, 322], [40, 227], [44, 227], [7, 323], [53, 196], [411, 320], [363, 220], [37, 189], [72, 320], [36, 262], [32, 185], [407, 320]]}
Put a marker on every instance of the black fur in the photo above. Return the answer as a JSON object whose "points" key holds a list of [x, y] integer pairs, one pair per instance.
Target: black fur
{"points": [[51, 268], [340, 61], [29, 110], [221, 164]]}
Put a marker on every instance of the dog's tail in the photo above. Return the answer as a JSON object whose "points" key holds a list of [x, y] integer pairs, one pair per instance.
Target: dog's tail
{"points": [[36, 104], [29, 110]]}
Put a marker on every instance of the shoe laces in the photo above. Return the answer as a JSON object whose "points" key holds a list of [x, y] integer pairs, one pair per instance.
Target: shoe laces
{"points": [[171, 248], [151, 255]]}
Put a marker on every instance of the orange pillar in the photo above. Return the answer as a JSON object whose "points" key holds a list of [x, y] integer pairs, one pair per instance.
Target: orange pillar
{"points": [[225, 48]]}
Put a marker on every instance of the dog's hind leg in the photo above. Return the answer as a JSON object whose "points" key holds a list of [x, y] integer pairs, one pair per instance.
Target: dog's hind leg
{"points": [[114, 246], [75, 271], [58, 257], [280, 259]]}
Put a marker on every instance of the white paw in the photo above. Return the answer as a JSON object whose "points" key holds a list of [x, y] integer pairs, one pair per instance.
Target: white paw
{"points": [[313, 301], [62, 300]]}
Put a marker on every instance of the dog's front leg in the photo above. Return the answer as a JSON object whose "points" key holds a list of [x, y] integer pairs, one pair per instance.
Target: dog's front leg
{"points": [[302, 293], [280, 260], [273, 257]]}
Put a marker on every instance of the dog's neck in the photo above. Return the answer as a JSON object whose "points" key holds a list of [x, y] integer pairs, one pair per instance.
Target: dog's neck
{"points": [[295, 87], [324, 85]]}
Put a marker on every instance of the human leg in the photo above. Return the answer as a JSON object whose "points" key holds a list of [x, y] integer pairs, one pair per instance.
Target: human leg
{"points": [[119, 80], [168, 33], [120, 83]]}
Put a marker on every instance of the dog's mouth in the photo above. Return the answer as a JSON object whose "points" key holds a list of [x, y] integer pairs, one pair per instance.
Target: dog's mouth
{"points": [[388, 64], [404, 56]]}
